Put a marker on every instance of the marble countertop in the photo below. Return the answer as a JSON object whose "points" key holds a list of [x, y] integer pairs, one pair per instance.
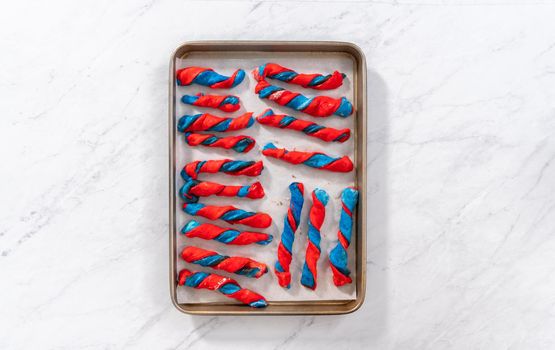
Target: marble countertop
{"points": [[461, 160]]}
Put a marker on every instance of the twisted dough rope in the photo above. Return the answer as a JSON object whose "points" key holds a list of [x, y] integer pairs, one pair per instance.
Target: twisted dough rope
{"points": [[227, 166], [193, 189], [312, 81], [338, 255], [290, 224], [239, 143], [316, 217], [194, 229], [207, 77], [283, 121], [229, 214], [209, 122], [319, 106], [315, 160], [225, 285], [233, 264], [226, 103]]}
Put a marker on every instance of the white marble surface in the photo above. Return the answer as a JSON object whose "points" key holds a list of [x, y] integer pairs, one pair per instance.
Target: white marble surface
{"points": [[462, 211]]}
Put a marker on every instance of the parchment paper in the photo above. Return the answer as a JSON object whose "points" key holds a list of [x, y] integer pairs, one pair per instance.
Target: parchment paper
{"points": [[275, 178]]}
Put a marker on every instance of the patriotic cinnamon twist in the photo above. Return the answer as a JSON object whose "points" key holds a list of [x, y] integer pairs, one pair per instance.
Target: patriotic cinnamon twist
{"points": [[316, 217], [234, 264], [209, 122], [226, 103], [229, 214], [194, 229], [226, 166], [207, 77], [312, 81], [239, 143], [225, 285], [282, 121], [338, 255], [315, 160], [318, 106], [193, 189], [290, 224]]}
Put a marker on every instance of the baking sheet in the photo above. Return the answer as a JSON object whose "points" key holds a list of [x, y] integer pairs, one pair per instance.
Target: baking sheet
{"points": [[275, 178]]}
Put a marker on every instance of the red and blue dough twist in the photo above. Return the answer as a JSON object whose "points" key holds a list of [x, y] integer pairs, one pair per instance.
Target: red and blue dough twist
{"points": [[209, 122], [290, 224], [283, 121], [226, 166], [226, 103], [318, 106], [338, 255], [315, 160], [207, 77], [193, 189], [311, 81], [238, 143], [316, 218], [234, 264], [229, 214], [207, 231], [225, 285]]}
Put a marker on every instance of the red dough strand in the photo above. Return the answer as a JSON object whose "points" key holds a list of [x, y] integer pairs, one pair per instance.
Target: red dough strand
{"points": [[312, 159], [207, 231], [208, 77], [225, 285], [229, 214], [226, 166], [226, 103], [318, 106], [209, 122], [311, 81], [239, 143], [312, 129], [290, 224], [316, 217], [233, 264], [206, 188]]}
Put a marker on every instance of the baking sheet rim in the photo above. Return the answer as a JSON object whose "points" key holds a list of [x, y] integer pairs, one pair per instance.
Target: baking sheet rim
{"points": [[326, 307]]}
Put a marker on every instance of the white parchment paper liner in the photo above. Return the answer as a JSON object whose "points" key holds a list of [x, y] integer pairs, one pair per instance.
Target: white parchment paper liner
{"points": [[275, 178]]}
